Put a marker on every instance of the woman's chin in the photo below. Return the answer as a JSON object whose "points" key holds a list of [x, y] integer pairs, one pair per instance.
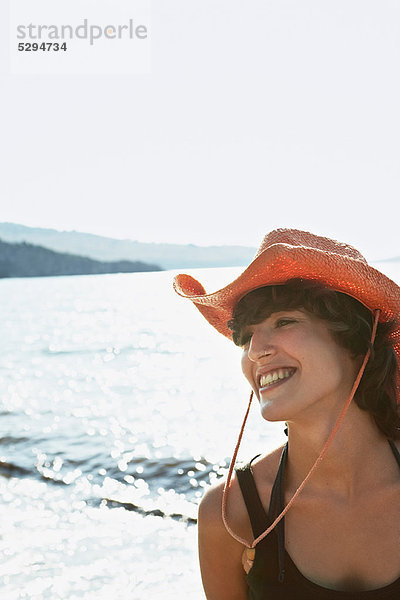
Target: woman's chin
{"points": [[276, 411], [272, 413]]}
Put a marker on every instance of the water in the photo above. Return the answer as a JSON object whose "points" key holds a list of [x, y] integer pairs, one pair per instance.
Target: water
{"points": [[119, 405]]}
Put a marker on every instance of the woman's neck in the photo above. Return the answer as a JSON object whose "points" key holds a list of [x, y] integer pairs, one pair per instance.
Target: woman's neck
{"points": [[358, 457]]}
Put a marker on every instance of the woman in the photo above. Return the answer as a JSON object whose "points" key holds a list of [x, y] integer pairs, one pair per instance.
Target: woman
{"points": [[320, 517]]}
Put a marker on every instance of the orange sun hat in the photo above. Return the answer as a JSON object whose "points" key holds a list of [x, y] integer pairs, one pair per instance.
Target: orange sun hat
{"points": [[289, 253]]}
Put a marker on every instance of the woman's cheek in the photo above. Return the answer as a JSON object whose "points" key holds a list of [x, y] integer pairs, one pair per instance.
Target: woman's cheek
{"points": [[246, 368]]}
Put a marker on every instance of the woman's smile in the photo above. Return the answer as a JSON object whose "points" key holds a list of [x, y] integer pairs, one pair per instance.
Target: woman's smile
{"points": [[274, 378]]}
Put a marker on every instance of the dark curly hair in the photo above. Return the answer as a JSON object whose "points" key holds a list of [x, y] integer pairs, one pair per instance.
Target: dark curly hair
{"points": [[351, 325]]}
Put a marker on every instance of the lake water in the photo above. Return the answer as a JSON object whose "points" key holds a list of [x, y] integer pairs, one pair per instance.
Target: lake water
{"points": [[119, 405]]}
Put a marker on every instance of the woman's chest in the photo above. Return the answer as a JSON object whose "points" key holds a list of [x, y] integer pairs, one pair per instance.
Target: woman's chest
{"points": [[346, 547]]}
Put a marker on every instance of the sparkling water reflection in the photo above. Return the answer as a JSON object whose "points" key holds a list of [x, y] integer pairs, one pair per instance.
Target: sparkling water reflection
{"points": [[119, 405]]}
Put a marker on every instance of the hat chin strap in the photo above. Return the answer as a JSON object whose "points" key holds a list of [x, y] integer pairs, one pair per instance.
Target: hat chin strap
{"points": [[315, 465]]}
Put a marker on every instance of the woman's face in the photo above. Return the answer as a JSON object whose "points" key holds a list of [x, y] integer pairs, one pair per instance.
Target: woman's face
{"points": [[295, 366]]}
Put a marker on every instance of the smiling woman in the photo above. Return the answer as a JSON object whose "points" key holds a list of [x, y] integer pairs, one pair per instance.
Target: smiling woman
{"points": [[320, 334], [305, 306]]}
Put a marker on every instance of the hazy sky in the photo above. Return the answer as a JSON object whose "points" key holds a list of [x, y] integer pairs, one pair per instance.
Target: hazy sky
{"points": [[255, 115]]}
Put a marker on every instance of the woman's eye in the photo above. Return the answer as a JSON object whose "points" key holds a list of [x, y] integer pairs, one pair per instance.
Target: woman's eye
{"points": [[283, 322]]}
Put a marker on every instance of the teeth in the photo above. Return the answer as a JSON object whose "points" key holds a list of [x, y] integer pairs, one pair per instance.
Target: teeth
{"points": [[274, 376]]}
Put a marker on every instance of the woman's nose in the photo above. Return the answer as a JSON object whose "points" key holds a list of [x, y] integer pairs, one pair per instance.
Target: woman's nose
{"points": [[260, 347]]}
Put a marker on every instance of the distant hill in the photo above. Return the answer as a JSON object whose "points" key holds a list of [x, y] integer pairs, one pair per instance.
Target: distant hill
{"points": [[394, 259], [168, 256], [28, 260]]}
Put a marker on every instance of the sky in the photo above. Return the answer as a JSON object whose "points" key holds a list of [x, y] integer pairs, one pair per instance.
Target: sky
{"points": [[253, 115]]}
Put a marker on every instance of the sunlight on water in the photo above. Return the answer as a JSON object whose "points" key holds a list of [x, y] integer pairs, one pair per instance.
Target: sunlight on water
{"points": [[119, 406], [53, 546]]}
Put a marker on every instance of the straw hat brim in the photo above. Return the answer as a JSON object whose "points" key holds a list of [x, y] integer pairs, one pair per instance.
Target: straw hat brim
{"points": [[280, 262]]}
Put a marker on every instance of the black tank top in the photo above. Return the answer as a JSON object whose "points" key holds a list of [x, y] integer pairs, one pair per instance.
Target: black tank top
{"points": [[274, 576]]}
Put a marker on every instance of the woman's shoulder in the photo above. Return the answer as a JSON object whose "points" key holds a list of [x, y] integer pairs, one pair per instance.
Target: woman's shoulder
{"points": [[264, 469], [222, 560]]}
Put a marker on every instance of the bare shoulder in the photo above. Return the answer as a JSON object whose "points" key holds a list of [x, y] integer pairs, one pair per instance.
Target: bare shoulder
{"points": [[220, 554], [210, 509], [210, 505], [264, 470], [211, 525]]}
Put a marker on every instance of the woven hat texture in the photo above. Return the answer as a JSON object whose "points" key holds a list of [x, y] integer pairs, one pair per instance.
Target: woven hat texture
{"points": [[289, 253]]}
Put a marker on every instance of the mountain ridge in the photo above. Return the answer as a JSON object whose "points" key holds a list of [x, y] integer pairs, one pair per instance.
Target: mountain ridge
{"points": [[167, 256], [29, 260]]}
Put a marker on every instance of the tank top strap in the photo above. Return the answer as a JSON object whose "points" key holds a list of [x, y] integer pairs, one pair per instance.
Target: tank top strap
{"points": [[395, 451], [277, 497], [276, 505], [258, 517]]}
